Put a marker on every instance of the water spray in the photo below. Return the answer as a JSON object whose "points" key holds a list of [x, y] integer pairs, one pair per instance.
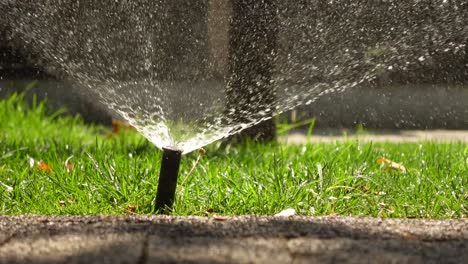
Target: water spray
{"points": [[274, 55], [165, 196]]}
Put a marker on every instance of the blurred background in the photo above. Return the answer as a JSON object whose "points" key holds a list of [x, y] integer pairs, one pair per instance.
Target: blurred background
{"points": [[430, 92]]}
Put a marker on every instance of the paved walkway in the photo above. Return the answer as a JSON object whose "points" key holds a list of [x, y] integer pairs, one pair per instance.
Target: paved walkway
{"points": [[326, 136], [246, 239]]}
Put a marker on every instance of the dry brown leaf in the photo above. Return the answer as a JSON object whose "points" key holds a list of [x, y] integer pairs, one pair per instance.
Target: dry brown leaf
{"points": [[364, 188], [131, 208], [69, 167], [219, 218], [201, 152], [118, 126], [391, 165], [44, 166], [209, 212]]}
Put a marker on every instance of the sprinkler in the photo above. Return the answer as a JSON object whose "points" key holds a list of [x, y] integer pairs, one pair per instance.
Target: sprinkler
{"points": [[167, 180]]}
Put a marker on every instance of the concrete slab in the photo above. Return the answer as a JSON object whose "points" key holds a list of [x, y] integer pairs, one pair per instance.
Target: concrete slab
{"points": [[395, 136], [73, 248], [243, 239]]}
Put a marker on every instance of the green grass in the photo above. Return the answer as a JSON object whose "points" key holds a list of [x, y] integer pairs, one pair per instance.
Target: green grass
{"points": [[119, 174]]}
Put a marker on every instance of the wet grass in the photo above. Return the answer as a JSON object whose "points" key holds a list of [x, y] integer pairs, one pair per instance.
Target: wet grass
{"points": [[51, 164]]}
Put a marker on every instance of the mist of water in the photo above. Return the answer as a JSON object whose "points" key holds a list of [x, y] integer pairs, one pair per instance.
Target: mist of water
{"points": [[187, 73]]}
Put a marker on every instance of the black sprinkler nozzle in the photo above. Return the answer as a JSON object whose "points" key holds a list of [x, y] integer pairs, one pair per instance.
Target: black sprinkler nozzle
{"points": [[167, 180]]}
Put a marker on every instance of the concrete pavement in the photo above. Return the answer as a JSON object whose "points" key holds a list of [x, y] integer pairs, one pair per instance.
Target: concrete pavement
{"points": [[243, 239], [395, 136]]}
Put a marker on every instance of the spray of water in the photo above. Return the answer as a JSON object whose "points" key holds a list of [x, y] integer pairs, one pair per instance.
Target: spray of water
{"points": [[187, 73]]}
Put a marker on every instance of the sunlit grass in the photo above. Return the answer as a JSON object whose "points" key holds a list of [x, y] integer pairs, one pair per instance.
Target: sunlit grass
{"points": [[94, 173]]}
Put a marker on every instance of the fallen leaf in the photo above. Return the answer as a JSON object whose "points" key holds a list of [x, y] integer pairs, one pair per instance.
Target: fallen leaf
{"points": [[44, 166], [364, 188], [209, 212], [119, 125], [201, 152], [220, 218], [287, 212], [131, 208], [391, 165], [69, 166]]}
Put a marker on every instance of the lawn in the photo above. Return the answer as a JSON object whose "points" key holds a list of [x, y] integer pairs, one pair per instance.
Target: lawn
{"points": [[53, 164]]}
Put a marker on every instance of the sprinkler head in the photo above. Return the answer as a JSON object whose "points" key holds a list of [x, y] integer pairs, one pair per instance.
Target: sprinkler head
{"points": [[167, 180]]}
